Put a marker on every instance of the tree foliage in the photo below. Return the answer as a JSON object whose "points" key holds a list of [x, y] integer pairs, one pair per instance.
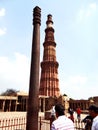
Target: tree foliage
{"points": [[9, 92]]}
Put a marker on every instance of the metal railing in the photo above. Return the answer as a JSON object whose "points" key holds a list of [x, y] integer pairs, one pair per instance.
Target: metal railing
{"points": [[79, 125], [13, 124], [20, 124]]}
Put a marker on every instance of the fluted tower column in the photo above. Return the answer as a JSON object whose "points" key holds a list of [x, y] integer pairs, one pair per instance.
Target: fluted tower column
{"points": [[49, 82], [33, 106]]}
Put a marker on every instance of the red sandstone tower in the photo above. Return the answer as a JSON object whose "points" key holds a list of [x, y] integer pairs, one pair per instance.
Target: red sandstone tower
{"points": [[49, 82]]}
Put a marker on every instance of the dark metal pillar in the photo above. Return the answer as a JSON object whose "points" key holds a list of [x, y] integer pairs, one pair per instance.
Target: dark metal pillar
{"points": [[32, 111]]}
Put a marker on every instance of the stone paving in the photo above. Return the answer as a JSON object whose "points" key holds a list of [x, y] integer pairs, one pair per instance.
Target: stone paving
{"points": [[7, 115]]}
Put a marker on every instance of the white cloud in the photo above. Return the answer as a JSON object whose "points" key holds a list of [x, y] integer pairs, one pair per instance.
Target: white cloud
{"points": [[91, 9], [80, 15], [79, 87], [14, 74], [2, 12], [85, 13], [2, 31], [73, 86], [93, 6], [77, 80]]}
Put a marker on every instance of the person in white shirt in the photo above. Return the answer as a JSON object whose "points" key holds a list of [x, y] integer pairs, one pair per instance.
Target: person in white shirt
{"points": [[93, 111], [62, 122]]}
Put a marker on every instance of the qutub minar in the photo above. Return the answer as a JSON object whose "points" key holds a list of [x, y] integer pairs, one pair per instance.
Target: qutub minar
{"points": [[49, 82]]}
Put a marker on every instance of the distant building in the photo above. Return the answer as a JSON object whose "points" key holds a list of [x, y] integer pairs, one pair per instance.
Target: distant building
{"points": [[14, 103], [83, 104], [19, 102]]}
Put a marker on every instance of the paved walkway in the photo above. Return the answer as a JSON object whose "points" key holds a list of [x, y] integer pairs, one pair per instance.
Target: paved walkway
{"points": [[7, 115], [23, 114]]}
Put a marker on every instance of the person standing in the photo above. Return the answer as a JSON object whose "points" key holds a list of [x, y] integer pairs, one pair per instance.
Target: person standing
{"points": [[93, 112], [52, 116], [62, 122], [88, 122], [78, 111], [71, 115]]}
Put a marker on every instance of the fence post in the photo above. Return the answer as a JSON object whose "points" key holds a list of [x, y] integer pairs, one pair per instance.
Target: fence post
{"points": [[40, 124]]}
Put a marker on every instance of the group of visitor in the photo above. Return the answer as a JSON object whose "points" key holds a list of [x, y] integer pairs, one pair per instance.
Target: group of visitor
{"points": [[62, 122]]}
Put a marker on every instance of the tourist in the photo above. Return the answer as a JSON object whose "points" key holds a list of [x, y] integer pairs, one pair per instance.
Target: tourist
{"points": [[88, 122], [93, 111], [71, 112], [52, 116], [78, 111], [62, 122]]}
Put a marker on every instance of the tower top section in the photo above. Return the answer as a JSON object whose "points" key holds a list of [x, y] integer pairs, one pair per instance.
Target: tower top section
{"points": [[49, 21], [37, 15]]}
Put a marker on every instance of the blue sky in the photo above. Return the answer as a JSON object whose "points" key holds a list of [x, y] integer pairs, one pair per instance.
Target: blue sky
{"points": [[76, 29]]}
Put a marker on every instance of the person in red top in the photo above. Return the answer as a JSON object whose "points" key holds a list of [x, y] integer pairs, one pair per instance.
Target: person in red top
{"points": [[78, 111]]}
